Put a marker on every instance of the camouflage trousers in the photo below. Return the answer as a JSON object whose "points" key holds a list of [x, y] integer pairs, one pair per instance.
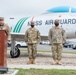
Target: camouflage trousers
{"points": [[57, 51], [32, 51]]}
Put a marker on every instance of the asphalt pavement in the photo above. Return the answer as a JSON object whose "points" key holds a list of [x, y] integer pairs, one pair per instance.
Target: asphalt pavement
{"points": [[43, 60], [48, 48]]}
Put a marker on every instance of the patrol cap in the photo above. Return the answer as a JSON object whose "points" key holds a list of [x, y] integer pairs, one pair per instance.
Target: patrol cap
{"points": [[32, 22], [56, 21], [1, 18]]}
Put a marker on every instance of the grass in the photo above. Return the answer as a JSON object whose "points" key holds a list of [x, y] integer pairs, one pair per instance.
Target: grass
{"points": [[33, 71], [48, 51], [25, 50], [70, 52]]}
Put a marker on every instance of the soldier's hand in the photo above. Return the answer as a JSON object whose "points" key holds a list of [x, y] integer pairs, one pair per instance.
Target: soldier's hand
{"points": [[27, 43], [63, 42], [50, 42]]}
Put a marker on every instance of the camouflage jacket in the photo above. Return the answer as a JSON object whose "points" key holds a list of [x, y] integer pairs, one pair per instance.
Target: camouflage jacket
{"points": [[6, 28], [32, 35], [57, 35]]}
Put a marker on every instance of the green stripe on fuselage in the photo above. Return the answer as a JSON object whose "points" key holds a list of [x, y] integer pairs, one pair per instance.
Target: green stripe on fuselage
{"points": [[19, 25]]}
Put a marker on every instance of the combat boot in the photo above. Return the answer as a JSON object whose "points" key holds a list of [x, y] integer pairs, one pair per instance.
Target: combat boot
{"points": [[55, 62], [59, 62], [33, 61], [30, 61]]}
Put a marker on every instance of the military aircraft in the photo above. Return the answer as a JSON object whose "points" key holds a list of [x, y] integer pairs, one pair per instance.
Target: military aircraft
{"points": [[43, 22]]}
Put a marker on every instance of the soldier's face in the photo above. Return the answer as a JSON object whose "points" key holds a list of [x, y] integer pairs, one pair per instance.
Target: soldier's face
{"points": [[32, 26], [1, 23], [57, 24]]}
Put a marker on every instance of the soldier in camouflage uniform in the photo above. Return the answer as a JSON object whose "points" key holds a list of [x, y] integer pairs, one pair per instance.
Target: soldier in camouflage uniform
{"points": [[57, 37], [32, 37], [4, 26]]}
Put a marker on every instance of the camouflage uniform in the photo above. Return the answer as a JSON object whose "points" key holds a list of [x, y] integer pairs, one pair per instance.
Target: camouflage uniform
{"points": [[57, 37], [32, 37], [4, 26]]}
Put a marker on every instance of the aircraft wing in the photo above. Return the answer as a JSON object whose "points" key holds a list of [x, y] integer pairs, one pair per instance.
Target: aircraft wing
{"points": [[20, 37], [17, 36]]}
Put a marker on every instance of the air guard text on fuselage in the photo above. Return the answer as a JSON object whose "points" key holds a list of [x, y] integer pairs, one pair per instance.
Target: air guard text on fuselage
{"points": [[51, 22]]}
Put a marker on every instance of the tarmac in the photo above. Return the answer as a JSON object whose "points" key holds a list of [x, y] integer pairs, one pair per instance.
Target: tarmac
{"points": [[43, 61]]}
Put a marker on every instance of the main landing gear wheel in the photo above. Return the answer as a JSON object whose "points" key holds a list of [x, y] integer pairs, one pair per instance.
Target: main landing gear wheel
{"points": [[15, 53]]}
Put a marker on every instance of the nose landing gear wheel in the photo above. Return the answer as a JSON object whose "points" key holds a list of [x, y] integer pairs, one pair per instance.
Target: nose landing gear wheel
{"points": [[15, 53]]}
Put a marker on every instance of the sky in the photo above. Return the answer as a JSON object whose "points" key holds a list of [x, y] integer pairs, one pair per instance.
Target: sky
{"points": [[21, 8]]}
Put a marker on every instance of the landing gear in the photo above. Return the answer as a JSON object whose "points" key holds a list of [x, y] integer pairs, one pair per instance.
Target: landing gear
{"points": [[15, 53]]}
